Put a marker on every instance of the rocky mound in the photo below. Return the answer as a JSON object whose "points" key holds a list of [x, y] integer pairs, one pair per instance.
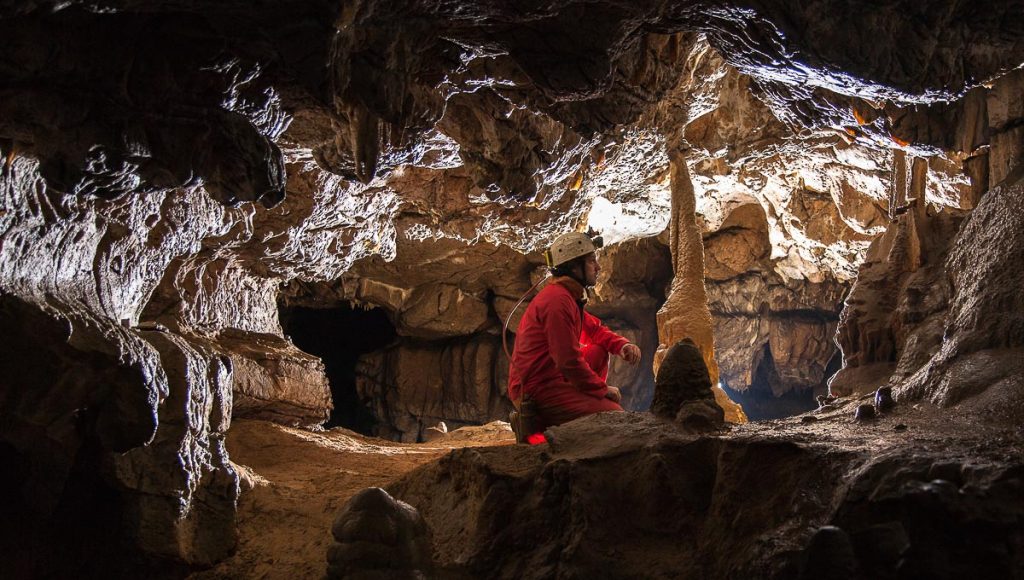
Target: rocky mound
{"points": [[629, 496]]}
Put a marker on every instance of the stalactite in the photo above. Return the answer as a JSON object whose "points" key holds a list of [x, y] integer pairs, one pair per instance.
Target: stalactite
{"points": [[365, 128]]}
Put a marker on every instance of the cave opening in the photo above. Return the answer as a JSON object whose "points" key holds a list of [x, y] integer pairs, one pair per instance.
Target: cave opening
{"points": [[339, 336]]}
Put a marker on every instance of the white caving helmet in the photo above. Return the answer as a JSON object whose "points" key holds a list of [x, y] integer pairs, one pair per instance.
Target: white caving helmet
{"points": [[565, 248], [569, 246]]}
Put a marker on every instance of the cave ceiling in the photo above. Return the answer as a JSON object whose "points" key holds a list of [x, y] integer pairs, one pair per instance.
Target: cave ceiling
{"points": [[169, 162], [376, 152], [523, 114]]}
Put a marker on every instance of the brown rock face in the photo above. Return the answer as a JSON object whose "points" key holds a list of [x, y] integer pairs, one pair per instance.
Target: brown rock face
{"points": [[378, 537], [774, 333], [895, 312], [413, 386], [275, 380], [927, 284], [979, 355], [776, 336], [740, 242], [414, 157], [683, 392], [80, 425], [674, 505], [436, 311]]}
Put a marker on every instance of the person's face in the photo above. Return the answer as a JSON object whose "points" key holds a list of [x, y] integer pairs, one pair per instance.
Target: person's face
{"points": [[590, 269]]}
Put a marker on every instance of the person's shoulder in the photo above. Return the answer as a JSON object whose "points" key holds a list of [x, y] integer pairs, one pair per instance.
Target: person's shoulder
{"points": [[554, 293]]}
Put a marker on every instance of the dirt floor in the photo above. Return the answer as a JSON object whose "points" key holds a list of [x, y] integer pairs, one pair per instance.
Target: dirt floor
{"points": [[294, 482]]}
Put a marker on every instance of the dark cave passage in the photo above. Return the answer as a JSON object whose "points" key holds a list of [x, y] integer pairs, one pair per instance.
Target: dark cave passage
{"points": [[339, 336], [762, 405], [759, 401]]}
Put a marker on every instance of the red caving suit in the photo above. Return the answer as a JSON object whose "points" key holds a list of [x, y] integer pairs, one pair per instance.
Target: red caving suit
{"points": [[561, 356]]}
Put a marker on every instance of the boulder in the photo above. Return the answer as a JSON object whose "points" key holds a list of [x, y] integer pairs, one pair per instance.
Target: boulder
{"points": [[377, 537]]}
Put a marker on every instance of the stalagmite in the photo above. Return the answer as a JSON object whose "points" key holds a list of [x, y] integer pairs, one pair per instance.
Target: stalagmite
{"points": [[685, 313], [179, 180]]}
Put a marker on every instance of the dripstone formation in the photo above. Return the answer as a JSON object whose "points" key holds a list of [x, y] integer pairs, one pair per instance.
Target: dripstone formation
{"points": [[377, 538], [175, 175], [683, 389]]}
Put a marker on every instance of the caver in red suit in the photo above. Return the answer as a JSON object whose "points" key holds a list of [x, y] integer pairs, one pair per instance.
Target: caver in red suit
{"points": [[561, 356]]}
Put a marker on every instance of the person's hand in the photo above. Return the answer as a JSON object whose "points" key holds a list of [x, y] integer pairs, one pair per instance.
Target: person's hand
{"points": [[630, 353], [614, 394]]}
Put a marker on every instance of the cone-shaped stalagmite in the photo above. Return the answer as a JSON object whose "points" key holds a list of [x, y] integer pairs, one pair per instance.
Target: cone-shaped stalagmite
{"points": [[685, 313]]}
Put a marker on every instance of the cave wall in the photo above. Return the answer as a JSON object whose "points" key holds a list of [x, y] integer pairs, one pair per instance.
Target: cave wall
{"points": [[158, 202], [914, 313], [92, 393], [413, 386]]}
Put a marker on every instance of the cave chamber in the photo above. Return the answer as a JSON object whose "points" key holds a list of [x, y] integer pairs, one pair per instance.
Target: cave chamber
{"points": [[227, 229]]}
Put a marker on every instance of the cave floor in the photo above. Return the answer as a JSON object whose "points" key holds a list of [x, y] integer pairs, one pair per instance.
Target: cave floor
{"points": [[295, 481]]}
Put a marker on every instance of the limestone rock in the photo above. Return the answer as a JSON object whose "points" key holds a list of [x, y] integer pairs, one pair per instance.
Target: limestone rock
{"points": [[680, 506], [982, 335], [685, 313], [864, 412], [899, 327], [416, 157], [1004, 112], [436, 432], [275, 380], [883, 399], [893, 319], [683, 392], [412, 386], [775, 336], [441, 310], [740, 242], [154, 416], [112, 430], [376, 536], [194, 418]]}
